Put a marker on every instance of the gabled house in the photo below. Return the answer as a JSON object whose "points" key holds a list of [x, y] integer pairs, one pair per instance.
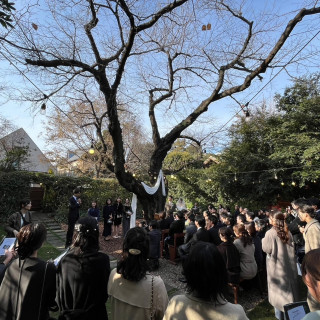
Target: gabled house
{"points": [[19, 151]]}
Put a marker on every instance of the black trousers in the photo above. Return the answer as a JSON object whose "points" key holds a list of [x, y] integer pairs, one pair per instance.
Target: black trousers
{"points": [[72, 219]]}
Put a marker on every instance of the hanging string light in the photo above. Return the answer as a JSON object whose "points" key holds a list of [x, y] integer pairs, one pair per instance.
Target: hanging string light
{"points": [[91, 150]]}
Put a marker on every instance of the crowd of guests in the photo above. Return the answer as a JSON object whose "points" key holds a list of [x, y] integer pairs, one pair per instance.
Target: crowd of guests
{"points": [[219, 248]]}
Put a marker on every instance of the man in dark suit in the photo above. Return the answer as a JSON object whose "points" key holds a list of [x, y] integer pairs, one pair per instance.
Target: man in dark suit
{"points": [[191, 228], [213, 230], [73, 216], [201, 235]]}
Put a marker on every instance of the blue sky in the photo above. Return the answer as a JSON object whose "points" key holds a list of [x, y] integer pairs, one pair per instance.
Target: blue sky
{"points": [[22, 115]]}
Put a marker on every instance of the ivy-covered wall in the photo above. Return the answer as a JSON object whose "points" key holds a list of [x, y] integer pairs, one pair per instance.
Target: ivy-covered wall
{"points": [[15, 186]]}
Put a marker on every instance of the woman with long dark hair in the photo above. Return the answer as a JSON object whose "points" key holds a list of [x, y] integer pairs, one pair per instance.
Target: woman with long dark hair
{"points": [[82, 275], [281, 264], [108, 216], [245, 247], [29, 286], [134, 293], [206, 278]]}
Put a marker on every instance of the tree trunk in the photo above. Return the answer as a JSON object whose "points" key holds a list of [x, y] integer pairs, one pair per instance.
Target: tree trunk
{"points": [[152, 204]]}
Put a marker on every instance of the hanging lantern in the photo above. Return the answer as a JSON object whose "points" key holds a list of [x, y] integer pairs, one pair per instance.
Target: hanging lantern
{"points": [[43, 109], [204, 28], [209, 26], [282, 183], [91, 150]]}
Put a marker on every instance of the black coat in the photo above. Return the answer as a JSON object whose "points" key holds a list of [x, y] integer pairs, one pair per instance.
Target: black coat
{"points": [[154, 244], [108, 210], [177, 226], [74, 209], [164, 223], [82, 285], [231, 257], [32, 272], [214, 235]]}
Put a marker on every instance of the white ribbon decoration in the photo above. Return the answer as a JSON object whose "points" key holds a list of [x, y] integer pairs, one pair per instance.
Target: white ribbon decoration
{"points": [[149, 190]]}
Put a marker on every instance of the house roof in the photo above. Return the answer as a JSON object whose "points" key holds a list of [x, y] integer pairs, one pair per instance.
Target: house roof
{"points": [[36, 160]]}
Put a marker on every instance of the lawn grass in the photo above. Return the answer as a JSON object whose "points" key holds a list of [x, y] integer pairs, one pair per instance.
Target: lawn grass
{"points": [[263, 311]]}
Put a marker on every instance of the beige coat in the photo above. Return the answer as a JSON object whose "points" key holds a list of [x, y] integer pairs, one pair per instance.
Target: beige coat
{"points": [[281, 270], [132, 300], [185, 307], [312, 235]]}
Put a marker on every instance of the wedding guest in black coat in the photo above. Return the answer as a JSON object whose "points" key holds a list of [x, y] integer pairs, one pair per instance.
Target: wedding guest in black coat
{"points": [[165, 221], [74, 213], [177, 226], [28, 289], [230, 255], [214, 230], [82, 276], [201, 235], [108, 215], [154, 245]]}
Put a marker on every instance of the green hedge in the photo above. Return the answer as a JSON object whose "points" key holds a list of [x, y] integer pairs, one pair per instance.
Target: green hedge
{"points": [[15, 186]]}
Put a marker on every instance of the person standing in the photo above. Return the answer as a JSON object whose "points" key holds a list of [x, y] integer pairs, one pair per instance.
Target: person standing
{"points": [[126, 217], [134, 293], [94, 211], [28, 288], [74, 213], [19, 219], [108, 214], [281, 265], [82, 276], [118, 217]]}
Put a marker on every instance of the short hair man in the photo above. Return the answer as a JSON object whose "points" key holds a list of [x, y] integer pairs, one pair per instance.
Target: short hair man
{"points": [[74, 213]]}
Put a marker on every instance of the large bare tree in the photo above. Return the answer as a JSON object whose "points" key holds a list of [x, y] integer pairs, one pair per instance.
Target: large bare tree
{"points": [[168, 60]]}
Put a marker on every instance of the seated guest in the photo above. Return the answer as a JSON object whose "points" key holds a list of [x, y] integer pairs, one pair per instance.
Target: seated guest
{"points": [[250, 216], [206, 216], [154, 249], [82, 275], [191, 228], [28, 289], [213, 230], [260, 226], [230, 255], [201, 235], [241, 218], [164, 221], [226, 219], [245, 247], [177, 226], [134, 293], [258, 253], [206, 278]]}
